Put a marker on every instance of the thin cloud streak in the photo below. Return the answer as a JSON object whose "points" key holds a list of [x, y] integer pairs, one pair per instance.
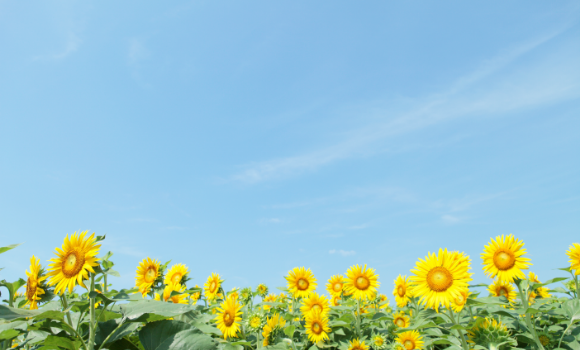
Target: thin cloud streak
{"points": [[72, 44]]}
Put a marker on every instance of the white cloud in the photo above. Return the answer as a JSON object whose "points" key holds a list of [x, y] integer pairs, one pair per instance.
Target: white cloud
{"points": [[72, 44], [342, 252]]}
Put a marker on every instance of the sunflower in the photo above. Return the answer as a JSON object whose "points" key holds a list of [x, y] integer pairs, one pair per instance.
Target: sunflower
{"points": [[401, 320], [545, 338], [34, 283], [379, 341], [361, 282], [246, 294], [147, 273], [410, 340], [336, 300], [177, 274], [273, 324], [271, 298], [402, 291], [314, 301], [282, 298], [234, 293], [541, 291], [355, 344], [438, 279], [255, 321], [262, 290], [383, 301], [335, 284], [176, 299], [503, 289], [317, 326], [212, 286], [574, 255], [488, 331], [74, 261], [301, 282], [459, 301], [228, 318], [195, 296], [504, 258]]}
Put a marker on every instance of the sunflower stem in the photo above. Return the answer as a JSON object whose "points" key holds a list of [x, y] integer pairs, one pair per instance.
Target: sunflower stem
{"points": [[65, 307], [357, 316], [577, 289], [92, 309], [524, 300], [456, 322]]}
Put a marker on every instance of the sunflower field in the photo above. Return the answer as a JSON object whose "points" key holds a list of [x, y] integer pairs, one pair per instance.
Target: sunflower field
{"points": [[70, 305]]}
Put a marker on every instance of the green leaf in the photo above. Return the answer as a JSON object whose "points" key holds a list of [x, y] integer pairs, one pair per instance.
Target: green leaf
{"points": [[174, 335], [135, 311], [36, 336], [104, 329], [9, 334], [572, 309], [60, 342], [8, 247], [113, 273], [230, 346], [289, 331], [207, 329], [10, 313], [13, 287], [100, 238]]}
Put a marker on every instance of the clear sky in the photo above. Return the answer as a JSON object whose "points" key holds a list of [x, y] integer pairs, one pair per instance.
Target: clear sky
{"points": [[251, 137]]}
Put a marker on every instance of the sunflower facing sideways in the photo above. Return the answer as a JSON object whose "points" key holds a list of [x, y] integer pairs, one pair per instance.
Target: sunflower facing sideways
{"points": [[229, 317], [176, 299], [541, 291], [177, 274], [504, 258], [402, 291], [361, 282], [317, 326], [315, 302], [147, 273], [273, 324], [439, 279], [335, 284], [459, 301], [503, 289], [34, 283], [411, 340], [301, 282], [212, 286], [74, 261], [574, 255], [401, 320]]}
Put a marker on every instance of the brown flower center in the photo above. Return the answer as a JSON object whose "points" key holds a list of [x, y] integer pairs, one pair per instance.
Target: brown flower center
{"points": [[400, 322], [150, 275], [30, 289], [228, 318], [212, 287], [176, 278], [439, 279], [302, 284], [362, 283], [337, 287], [460, 300], [409, 344], [73, 264], [503, 292], [401, 291], [316, 328], [504, 260]]}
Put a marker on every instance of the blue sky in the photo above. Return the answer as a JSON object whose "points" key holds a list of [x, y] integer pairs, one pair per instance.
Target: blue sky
{"points": [[248, 138]]}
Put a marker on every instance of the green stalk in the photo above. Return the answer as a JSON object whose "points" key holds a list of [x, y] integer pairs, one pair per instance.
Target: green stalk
{"points": [[577, 289], [65, 307], [463, 340], [92, 327], [357, 316], [524, 299]]}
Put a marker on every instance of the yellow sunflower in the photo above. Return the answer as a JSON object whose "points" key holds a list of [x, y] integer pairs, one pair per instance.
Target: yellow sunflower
{"points": [[383, 301], [317, 326], [176, 299], [504, 258], [541, 291], [262, 289], [401, 320], [402, 291], [503, 289], [282, 298], [410, 340], [336, 300], [195, 296], [301, 282], [459, 301], [271, 298], [147, 273], [314, 301], [74, 261], [355, 344], [229, 317], [439, 279], [361, 282], [335, 284], [212, 286], [34, 283], [176, 274], [272, 323], [574, 255]]}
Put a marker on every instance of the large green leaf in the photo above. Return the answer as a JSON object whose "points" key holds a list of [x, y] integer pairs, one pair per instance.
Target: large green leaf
{"points": [[138, 311], [10, 313], [106, 329], [7, 248], [174, 335]]}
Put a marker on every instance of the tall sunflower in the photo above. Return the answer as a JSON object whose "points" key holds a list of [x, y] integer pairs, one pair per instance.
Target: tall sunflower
{"points": [[34, 283], [176, 274], [402, 291], [335, 285], [439, 279], [503, 289], [459, 301], [176, 299], [273, 324], [574, 255], [74, 261], [411, 340], [147, 273], [401, 320], [504, 258], [301, 282], [317, 326], [355, 344], [361, 282], [212, 286], [229, 317], [314, 301]]}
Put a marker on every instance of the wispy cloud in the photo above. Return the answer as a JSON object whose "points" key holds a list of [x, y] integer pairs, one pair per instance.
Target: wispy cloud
{"points": [[342, 252], [71, 45], [481, 92], [270, 221]]}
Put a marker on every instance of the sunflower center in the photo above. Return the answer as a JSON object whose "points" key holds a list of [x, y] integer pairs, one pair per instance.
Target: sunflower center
{"points": [[504, 260], [302, 284], [212, 287], [503, 292], [409, 344], [228, 319], [544, 340], [337, 287], [400, 322], [378, 341], [362, 283], [460, 300], [316, 328], [176, 278], [439, 279], [150, 275], [401, 291], [30, 289], [316, 307], [73, 263]]}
